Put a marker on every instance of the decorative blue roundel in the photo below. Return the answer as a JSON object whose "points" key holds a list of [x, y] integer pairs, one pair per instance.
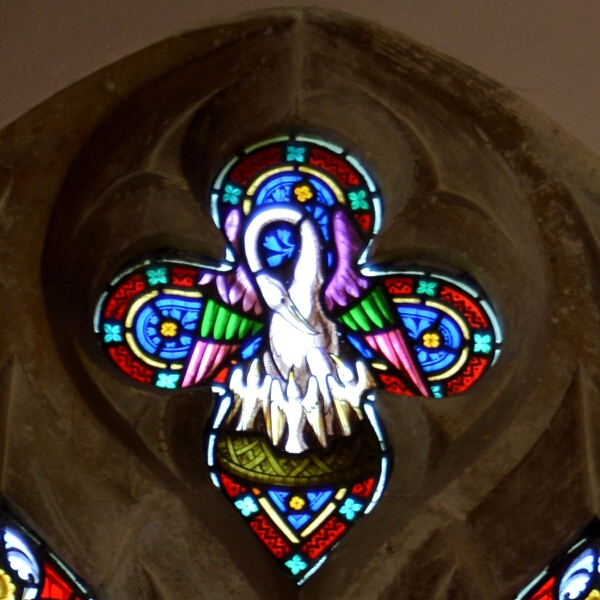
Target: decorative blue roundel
{"points": [[435, 357], [165, 327]]}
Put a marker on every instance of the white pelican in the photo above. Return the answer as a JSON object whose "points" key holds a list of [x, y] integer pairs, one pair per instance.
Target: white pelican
{"points": [[302, 342]]}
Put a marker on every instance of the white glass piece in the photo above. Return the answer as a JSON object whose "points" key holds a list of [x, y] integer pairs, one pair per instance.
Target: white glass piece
{"points": [[313, 570], [365, 255], [214, 209], [20, 558], [320, 519], [496, 356], [460, 284], [130, 270], [575, 546], [332, 147], [526, 589], [224, 405], [281, 138], [229, 254], [380, 486], [69, 572], [215, 480], [372, 416], [250, 396], [29, 593], [362, 171], [493, 319], [98, 311], [222, 174], [378, 215], [222, 267], [348, 394], [578, 575], [278, 520], [210, 452]]}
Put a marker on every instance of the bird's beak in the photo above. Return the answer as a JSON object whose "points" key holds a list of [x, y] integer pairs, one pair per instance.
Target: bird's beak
{"points": [[292, 315]]}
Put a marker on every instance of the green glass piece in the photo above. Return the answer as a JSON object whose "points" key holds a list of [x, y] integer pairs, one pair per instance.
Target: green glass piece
{"points": [[349, 321], [256, 327], [221, 322], [232, 326], [157, 276], [383, 304], [210, 314], [359, 315], [370, 307], [427, 288], [245, 326]]}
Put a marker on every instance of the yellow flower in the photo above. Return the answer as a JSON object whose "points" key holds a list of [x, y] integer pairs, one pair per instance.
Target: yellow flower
{"points": [[431, 340], [303, 193], [168, 329], [7, 587], [297, 503]]}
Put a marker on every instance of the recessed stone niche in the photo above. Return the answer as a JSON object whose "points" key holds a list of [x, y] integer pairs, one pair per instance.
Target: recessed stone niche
{"points": [[485, 487]]}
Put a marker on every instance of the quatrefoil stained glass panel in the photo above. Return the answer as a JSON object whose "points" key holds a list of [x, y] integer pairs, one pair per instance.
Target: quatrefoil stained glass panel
{"points": [[295, 331]]}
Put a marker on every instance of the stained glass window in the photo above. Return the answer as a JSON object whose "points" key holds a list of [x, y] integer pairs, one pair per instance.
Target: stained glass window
{"points": [[574, 574], [29, 570], [295, 331]]}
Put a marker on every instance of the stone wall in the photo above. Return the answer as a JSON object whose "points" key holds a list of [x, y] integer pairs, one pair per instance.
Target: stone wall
{"points": [[485, 486]]}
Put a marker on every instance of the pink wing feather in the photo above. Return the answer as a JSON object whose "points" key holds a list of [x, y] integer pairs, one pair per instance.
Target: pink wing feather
{"points": [[234, 288]]}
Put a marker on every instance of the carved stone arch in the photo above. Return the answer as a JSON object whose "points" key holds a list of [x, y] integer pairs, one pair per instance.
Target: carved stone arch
{"points": [[485, 486]]}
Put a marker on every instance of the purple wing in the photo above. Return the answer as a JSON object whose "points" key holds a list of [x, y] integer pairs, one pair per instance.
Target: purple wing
{"points": [[235, 287], [345, 283]]}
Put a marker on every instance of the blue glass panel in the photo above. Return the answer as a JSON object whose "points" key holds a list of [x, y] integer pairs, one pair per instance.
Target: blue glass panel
{"points": [[298, 520], [145, 329], [435, 360], [324, 194], [185, 311], [184, 315], [280, 499], [362, 348], [451, 332], [251, 348], [276, 189], [279, 244], [417, 319], [321, 216], [317, 499]]}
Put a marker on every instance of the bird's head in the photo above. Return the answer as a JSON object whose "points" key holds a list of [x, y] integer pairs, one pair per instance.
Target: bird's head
{"points": [[278, 300]]}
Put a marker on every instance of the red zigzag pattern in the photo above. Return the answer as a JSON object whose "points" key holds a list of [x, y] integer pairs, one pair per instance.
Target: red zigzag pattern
{"points": [[326, 536], [269, 536], [118, 303]]}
